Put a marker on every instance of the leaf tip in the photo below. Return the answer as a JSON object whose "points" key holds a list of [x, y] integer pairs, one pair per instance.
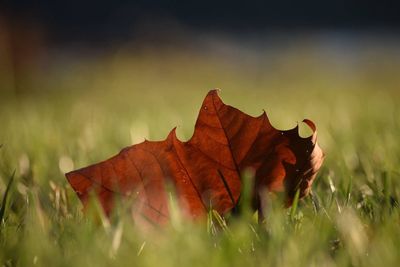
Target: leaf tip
{"points": [[310, 124], [69, 175], [214, 92], [172, 135]]}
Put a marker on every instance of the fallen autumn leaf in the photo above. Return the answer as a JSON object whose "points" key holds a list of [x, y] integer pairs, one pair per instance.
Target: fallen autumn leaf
{"points": [[206, 170]]}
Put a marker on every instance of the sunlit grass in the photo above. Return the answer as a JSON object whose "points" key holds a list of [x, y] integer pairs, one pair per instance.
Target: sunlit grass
{"points": [[92, 111]]}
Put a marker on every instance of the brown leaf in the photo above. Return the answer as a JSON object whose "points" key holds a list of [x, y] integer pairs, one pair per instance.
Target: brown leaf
{"points": [[206, 170]]}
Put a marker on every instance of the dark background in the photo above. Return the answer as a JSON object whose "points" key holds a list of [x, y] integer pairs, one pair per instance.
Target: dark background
{"points": [[44, 42], [97, 21]]}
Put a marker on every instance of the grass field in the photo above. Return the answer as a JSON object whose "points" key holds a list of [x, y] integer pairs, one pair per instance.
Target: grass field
{"points": [[83, 111]]}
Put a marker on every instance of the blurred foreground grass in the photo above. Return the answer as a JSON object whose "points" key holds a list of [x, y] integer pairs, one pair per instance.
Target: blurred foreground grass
{"points": [[86, 110]]}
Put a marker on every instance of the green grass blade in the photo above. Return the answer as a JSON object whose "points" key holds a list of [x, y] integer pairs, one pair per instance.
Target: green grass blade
{"points": [[349, 190], [5, 198], [295, 204]]}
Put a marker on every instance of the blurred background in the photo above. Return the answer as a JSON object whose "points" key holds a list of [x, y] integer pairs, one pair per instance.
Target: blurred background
{"points": [[77, 76], [44, 42]]}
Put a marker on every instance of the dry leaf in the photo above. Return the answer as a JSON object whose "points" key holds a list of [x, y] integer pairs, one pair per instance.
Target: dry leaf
{"points": [[206, 170]]}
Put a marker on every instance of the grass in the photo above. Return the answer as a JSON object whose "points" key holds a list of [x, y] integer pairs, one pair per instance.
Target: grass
{"points": [[87, 112]]}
